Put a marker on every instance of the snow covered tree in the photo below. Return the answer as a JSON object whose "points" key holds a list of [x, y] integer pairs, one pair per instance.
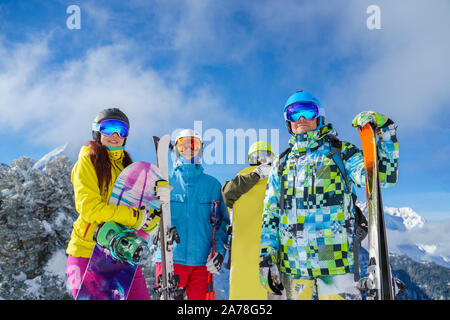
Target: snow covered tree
{"points": [[36, 215]]}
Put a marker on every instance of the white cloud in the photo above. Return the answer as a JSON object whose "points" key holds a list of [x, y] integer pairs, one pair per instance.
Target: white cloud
{"points": [[397, 70], [432, 238], [400, 70], [406, 74], [56, 103]]}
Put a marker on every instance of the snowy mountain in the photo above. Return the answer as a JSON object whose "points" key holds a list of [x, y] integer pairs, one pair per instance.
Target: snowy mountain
{"points": [[57, 152], [409, 218], [400, 219], [409, 234]]}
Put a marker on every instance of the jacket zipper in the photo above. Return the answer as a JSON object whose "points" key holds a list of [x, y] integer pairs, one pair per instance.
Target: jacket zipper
{"points": [[86, 231], [313, 185]]}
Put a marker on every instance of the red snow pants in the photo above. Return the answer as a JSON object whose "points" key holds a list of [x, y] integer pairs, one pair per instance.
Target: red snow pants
{"points": [[193, 278]]}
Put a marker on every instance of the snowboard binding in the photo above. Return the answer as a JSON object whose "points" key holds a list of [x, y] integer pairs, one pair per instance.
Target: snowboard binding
{"points": [[124, 244]]}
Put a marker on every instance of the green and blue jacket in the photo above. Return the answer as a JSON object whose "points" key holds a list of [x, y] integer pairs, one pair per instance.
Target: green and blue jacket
{"points": [[313, 235]]}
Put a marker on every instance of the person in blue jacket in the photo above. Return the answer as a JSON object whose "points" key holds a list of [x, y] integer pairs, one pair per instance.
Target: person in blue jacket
{"points": [[192, 201]]}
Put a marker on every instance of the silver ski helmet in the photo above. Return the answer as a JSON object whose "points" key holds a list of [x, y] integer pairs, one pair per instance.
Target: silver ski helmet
{"points": [[303, 96], [107, 114]]}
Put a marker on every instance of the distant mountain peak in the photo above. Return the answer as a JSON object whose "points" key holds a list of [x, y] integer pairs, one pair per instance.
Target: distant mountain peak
{"points": [[411, 219], [40, 164], [401, 219]]}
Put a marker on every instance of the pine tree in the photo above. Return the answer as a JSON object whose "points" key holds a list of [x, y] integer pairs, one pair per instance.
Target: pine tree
{"points": [[36, 215]]}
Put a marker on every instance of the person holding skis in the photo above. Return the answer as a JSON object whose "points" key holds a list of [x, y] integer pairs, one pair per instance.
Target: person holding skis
{"points": [[308, 235], [245, 195], [192, 202], [93, 176]]}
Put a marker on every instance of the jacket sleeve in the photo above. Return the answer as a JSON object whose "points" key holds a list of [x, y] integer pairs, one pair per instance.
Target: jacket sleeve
{"points": [[233, 189], [90, 204], [221, 233], [271, 215], [388, 155]]}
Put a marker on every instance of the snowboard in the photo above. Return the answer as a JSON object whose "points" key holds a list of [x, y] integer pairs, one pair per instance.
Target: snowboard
{"points": [[245, 245], [167, 288], [378, 283], [106, 278]]}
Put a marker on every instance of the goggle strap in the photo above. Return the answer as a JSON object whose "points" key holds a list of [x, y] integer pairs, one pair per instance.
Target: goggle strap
{"points": [[96, 126]]}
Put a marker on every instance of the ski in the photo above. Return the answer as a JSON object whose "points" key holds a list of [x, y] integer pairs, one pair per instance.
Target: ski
{"points": [[167, 288], [378, 283]]}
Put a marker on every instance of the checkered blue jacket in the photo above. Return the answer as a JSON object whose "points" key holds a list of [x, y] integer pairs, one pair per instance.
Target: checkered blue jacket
{"points": [[314, 234]]}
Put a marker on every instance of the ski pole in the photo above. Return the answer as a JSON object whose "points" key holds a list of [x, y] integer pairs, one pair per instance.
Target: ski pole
{"points": [[210, 294]]}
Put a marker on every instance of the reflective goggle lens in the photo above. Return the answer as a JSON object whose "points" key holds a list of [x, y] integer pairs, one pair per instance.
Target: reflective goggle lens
{"points": [[308, 110], [260, 157], [108, 127], [189, 142]]}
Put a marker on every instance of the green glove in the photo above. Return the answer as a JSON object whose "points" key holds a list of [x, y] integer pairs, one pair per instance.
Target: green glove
{"points": [[370, 116]]}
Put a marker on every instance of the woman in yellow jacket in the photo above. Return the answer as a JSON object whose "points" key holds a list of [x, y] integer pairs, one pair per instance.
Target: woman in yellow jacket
{"points": [[93, 177]]}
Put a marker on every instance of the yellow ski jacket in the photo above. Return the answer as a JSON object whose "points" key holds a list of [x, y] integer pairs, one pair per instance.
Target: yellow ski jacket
{"points": [[92, 206]]}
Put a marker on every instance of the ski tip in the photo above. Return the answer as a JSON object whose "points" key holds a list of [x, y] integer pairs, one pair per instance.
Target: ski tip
{"points": [[368, 141]]}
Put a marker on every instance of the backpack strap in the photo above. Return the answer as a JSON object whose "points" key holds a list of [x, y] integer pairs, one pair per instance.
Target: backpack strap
{"points": [[282, 161], [361, 224], [283, 158]]}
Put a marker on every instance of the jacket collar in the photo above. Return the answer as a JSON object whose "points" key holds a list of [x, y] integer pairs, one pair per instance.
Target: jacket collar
{"points": [[115, 154], [311, 140], [188, 171]]}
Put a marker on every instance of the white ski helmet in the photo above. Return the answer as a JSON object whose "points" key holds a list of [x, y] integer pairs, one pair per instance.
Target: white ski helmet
{"points": [[188, 133]]}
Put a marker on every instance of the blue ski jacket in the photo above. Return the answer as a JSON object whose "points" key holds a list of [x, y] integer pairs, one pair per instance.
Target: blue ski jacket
{"points": [[191, 206]]}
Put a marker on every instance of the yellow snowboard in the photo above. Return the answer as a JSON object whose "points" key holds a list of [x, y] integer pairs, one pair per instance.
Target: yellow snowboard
{"points": [[247, 221]]}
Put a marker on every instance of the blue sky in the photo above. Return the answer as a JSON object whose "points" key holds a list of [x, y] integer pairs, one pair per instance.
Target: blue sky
{"points": [[230, 64]]}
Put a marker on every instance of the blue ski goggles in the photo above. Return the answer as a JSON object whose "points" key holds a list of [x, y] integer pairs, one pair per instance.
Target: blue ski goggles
{"points": [[295, 111], [108, 127]]}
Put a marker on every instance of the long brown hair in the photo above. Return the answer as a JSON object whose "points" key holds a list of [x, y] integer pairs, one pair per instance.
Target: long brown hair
{"points": [[102, 164]]}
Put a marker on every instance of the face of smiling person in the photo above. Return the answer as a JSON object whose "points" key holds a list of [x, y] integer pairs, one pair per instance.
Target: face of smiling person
{"points": [[188, 147], [189, 153], [302, 125], [113, 140]]}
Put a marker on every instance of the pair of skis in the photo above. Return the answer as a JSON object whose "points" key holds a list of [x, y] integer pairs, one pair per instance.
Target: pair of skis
{"points": [[379, 283], [168, 281], [168, 288]]}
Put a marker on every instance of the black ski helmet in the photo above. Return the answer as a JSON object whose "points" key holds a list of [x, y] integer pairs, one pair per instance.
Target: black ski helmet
{"points": [[106, 114]]}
